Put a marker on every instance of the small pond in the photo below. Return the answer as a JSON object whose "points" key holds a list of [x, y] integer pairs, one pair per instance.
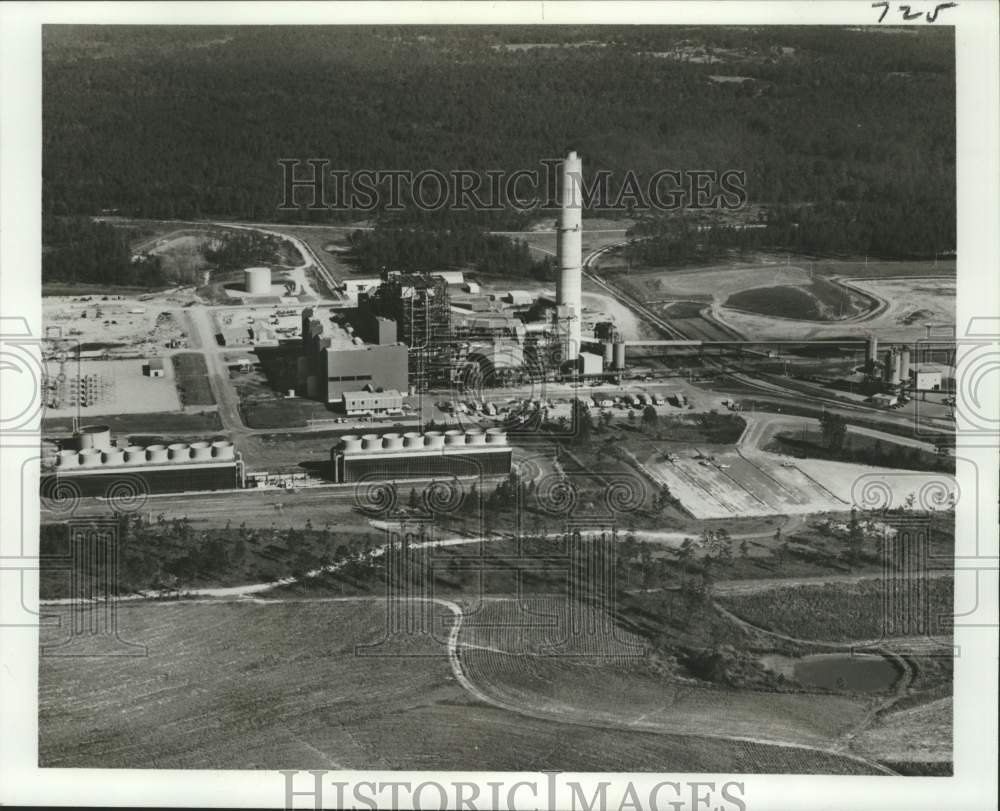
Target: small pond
{"points": [[862, 673]]}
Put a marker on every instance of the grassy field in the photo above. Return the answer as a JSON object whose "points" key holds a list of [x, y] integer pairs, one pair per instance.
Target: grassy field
{"points": [[191, 374], [169, 421], [839, 612], [249, 685]]}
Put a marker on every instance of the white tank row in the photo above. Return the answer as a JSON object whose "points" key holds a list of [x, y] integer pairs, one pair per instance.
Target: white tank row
{"points": [[412, 440], [135, 455]]}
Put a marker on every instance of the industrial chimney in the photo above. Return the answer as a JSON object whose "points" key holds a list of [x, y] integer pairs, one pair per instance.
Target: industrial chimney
{"points": [[569, 254]]}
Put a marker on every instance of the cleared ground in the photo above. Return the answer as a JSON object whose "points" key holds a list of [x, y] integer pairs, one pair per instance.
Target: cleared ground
{"points": [[118, 386], [278, 685]]}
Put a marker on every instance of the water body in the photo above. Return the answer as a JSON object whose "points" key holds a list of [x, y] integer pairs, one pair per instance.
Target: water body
{"points": [[862, 673]]}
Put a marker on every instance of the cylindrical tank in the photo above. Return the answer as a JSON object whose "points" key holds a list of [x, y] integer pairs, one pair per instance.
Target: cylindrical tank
{"points": [[90, 457], [619, 355], [223, 449], [157, 454], [411, 439], [135, 455], [178, 451], [904, 365], [871, 351], [200, 451], [496, 436], [609, 354], [454, 437], [897, 365], [392, 442], [113, 456], [350, 443], [68, 459], [434, 439], [257, 281], [93, 436], [371, 442]]}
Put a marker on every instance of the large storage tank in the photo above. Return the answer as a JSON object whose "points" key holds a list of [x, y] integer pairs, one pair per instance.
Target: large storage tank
{"points": [[257, 281], [392, 442], [223, 449], [113, 456], [871, 351], [201, 451], [495, 436], [411, 439], [454, 437], [475, 437], [434, 439], [93, 436], [897, 366], [135, 455], [350, 443], [619, 355], [90, 457], [68, 458], [178, 451], [371, 442], [157, 454]]}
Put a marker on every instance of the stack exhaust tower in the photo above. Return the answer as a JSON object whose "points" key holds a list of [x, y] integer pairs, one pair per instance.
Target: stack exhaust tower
{"points": [[569, 254]]}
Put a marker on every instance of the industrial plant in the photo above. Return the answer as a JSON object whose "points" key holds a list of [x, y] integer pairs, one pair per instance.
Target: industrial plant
{"points": [[91, 463]]}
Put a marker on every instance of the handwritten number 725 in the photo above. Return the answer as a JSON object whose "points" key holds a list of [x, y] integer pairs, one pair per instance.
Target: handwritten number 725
{"points": [[908, 12]]}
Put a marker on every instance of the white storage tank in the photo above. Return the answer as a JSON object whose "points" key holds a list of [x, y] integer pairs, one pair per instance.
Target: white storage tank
{"points": [[90, 457], [67, 459], [475, 437], [156, 454], [454, 437], [371, 442], [201, 451], [178, 451], [619, 355], [113, 456], [350, 443], [434, 439], [93, 436], [495, 436], [411, 439], [257, 281], [392, 442], [135, 455], [223, 449]]}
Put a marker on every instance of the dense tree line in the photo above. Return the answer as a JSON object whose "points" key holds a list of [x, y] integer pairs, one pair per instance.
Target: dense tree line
{"points": [[233, 251], [80, 250], [413, 250], [847, 136]]}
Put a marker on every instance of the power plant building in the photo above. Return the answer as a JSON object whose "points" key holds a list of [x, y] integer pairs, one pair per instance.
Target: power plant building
{"points": [[413, 455], [335, 361], [419, 307]]}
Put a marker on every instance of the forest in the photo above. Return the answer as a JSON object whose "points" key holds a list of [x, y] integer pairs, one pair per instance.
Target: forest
{"points": [[847, 137], [413, 250]]}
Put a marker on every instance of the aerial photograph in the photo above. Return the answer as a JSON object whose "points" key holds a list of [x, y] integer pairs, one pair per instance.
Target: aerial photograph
{"points": [[498, 398]]}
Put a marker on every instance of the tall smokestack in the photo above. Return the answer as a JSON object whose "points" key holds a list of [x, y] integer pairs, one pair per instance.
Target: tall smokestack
{"points": [[569, 253]]}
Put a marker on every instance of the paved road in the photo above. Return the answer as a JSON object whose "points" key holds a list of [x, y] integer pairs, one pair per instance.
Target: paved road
{"points": [[203, 334]]}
